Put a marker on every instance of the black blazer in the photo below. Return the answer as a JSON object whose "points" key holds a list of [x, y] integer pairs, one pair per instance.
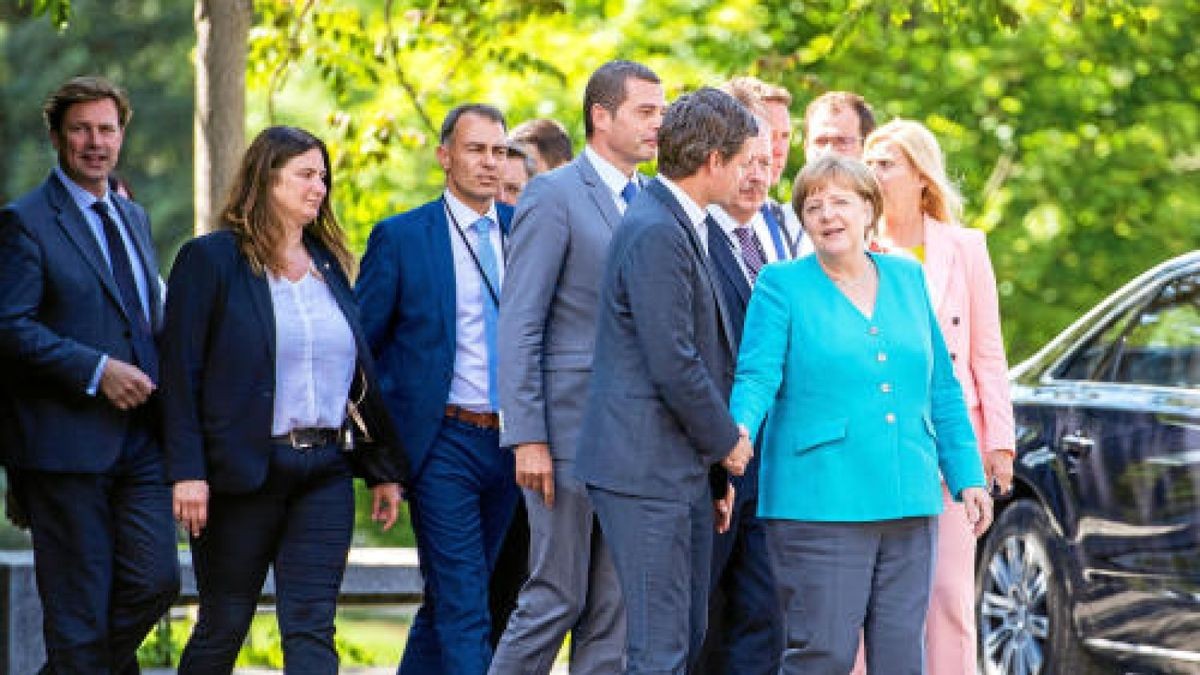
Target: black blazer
{"points": [[218, 369], [59, 312]]}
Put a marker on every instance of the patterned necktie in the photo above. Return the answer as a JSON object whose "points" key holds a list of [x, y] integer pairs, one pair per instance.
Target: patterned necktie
{"points": [[491, 272], [144, 351], [752, 253], [629, 192]]}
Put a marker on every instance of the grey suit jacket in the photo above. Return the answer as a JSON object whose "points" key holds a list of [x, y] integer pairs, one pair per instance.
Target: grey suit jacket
{"points": [[547, 327], [657, 416]]}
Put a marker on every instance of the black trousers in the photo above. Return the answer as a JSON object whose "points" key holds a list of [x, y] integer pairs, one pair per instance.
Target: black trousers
{"points": [[299, 523], [104, 552]]}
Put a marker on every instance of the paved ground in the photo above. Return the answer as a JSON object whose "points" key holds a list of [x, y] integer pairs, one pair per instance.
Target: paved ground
{"points": [[558, 670]]}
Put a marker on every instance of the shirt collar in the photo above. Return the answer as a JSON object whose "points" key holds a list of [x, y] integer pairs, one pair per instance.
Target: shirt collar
{"points": [[691, 209], [611, 175], [465, 215], [82, 198], [726, 221]]}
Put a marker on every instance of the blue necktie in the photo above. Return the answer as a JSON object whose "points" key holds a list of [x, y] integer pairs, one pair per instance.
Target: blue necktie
{"points": [[491, 270], [629, 192], [144, 350]]}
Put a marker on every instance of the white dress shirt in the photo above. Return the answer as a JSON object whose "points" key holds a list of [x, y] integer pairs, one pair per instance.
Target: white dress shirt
{"points": [[469, 385], [612, 176]]}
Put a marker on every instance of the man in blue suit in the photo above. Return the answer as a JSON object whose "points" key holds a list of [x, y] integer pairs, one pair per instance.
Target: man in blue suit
{"points": [[429, 289], [745, 623], [657, 419], [80, 311]]}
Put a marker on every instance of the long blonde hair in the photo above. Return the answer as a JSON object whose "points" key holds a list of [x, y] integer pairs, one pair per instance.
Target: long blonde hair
{"points": [[248, 212], [940, 199]]}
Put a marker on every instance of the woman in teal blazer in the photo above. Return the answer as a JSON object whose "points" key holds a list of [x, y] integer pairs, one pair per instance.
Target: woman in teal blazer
{"points": [[843, 356]]}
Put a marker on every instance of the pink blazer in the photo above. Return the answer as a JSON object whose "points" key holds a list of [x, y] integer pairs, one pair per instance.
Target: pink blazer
{"points": [[962, 287]]}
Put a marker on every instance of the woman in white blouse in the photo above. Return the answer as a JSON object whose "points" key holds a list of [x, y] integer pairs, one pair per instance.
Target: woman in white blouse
{"points": [[262, 354]]}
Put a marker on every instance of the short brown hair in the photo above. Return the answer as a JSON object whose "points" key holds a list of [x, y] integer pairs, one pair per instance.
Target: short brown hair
{"points": [[833, 169], [696, 125], [81, 90], [547, 137], [836, 100], [606, 88], [741, 89]]}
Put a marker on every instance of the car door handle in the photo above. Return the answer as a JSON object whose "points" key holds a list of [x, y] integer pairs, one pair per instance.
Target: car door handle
{"points": [[1077, 444]]}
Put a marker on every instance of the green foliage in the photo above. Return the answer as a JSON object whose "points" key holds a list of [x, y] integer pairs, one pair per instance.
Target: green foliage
{"points": [[59, 11], [1071, 127]]}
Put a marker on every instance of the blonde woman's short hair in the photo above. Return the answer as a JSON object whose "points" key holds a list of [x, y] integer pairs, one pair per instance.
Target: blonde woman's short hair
{"points": [[846, 172]]}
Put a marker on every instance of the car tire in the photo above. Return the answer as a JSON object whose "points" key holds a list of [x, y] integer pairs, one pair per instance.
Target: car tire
{"points": [[1021, 600]]}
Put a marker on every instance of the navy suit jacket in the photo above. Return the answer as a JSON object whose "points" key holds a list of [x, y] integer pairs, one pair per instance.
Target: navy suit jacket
{"points": [[60, 310], [406, 291], [219, 369], [657, 417]]}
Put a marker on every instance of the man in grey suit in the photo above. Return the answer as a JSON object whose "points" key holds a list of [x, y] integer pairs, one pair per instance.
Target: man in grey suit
{"points": [[657, 419], [547, 328]]}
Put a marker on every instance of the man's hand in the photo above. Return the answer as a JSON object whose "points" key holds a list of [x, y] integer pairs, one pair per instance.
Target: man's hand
{"points": [[723, 511], [737, 459], [125, 385], [385, 504], [535, 470], [189, 503], [979, 509]]}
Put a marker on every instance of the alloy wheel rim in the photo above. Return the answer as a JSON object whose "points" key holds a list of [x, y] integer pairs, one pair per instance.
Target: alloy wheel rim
{"points": [[1014, 623]]}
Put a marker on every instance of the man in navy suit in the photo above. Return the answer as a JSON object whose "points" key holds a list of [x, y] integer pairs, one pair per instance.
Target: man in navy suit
{"points": [[429, 289], [745, 624], [80, 309], [657, 418]]}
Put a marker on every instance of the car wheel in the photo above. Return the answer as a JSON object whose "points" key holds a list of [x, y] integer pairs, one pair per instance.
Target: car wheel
{"points": [[1021, 600]]}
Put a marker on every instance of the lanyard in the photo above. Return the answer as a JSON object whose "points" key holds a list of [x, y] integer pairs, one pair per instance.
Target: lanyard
{"points": [[492, 291]]}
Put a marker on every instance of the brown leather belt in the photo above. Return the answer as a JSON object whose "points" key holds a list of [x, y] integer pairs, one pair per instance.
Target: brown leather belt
{"points": [[483, 420], [307, 439]]}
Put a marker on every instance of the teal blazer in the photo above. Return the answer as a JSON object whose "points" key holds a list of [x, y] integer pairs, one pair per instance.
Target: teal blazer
{"points": [[863, 412]]}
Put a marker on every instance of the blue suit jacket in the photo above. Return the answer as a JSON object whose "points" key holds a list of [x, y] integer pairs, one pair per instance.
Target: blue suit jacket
{"points": [[60, 310], [864, 412], [405, 290], [219, 369], [656, 419]]}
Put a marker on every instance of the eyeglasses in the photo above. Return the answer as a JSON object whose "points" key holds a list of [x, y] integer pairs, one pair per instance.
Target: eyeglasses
{"points": [[839, 143]]}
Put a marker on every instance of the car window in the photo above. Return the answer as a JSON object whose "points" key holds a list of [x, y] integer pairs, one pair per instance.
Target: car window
{"points": [[1086, 362], [1162, 347]]}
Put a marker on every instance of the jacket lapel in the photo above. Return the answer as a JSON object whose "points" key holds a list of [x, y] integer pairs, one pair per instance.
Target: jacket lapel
{"points": [[140, 233], [939, 259], [76, 228], [440, 257], [260, 298], [664, 195], [598, 191], [727, 266]]}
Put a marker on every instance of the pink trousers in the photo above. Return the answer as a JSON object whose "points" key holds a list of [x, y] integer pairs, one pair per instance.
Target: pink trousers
{"points": [[950, 625]]}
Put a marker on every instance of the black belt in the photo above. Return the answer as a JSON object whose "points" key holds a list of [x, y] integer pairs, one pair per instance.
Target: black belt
{"points": [[306, 439]]}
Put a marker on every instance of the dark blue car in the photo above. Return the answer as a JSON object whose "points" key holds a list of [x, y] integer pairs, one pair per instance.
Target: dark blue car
{"points": [[1093, 566]]}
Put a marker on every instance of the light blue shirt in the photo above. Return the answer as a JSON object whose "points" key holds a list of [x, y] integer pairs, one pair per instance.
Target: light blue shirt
{"points": [[469, 384], [84, 200], [315, 355]]}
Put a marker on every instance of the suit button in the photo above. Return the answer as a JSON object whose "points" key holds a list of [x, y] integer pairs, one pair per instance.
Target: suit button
{"points": [[885, 388], [890, 418], [874, 330], [954, 320], [881, 357], [128, 334], [953, 356]]}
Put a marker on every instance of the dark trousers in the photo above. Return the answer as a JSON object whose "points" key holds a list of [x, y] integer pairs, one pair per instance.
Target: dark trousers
{"points": [[745, 623], [299, 523], [512, 569], [104, 553], [662, 551], [838, 578], [461, 505]]}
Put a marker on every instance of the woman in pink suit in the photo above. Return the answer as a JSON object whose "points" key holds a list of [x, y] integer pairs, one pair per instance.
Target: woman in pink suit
{"points": [[920, 217]]}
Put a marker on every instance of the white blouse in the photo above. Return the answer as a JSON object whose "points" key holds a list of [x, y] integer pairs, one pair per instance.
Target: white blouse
{"points": [[315, 355]]}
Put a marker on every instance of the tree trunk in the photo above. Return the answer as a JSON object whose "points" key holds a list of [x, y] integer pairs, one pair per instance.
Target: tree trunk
{"points": [[222, 31]]}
